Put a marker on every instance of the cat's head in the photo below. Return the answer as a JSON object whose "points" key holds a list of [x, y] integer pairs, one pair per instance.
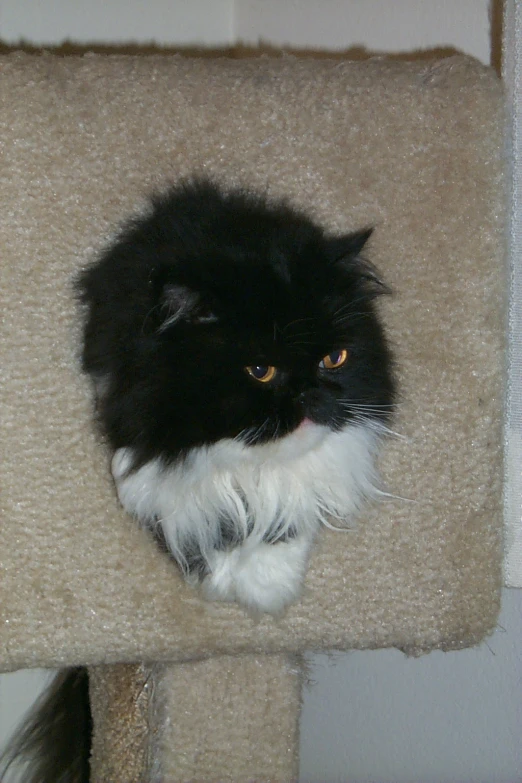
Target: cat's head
{"points": [[250, 322]]}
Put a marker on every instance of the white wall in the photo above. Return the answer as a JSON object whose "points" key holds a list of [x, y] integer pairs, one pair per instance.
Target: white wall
{"points": [[370, 716], [162, 21], [18, 692], [444, 718], [378, 25]]}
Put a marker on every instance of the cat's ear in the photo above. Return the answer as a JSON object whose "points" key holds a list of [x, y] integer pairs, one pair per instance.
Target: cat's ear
{"points": [[344, 253], [176, 301], [181, 303], [348, 246]]}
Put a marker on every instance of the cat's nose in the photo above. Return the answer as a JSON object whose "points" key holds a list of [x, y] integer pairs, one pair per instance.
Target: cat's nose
{"points": [[309, 399]]}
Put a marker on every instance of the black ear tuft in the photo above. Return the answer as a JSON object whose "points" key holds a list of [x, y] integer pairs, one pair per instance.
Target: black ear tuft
{"points": [[348, 246], [344, 253]]}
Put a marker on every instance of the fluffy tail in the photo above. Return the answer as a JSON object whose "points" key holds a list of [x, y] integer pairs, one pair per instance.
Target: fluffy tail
{"points": [[53, 745]]}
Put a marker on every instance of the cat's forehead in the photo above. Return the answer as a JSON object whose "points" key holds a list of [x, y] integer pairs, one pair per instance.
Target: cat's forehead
{"points": [[275, 303], [285, 295], [284, 327], [284, 285]]}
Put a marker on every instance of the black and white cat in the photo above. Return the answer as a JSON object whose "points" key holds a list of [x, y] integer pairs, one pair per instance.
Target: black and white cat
{"points": [[243, 380]]}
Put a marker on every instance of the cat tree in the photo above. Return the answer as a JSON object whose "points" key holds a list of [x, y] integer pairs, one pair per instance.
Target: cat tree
{"points": [[183, 690]]}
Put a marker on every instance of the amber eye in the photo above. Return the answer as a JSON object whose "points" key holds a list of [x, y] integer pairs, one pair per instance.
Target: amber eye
{"points": [[334, 360], [262, 373]]}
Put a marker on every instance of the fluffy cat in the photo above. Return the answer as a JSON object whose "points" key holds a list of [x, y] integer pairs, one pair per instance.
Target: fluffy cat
{"points": [[243, 380]]}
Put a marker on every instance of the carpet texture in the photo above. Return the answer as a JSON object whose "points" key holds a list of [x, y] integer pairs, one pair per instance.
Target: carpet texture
{"points": [[122, 708], [227, 719], [414, 149]]}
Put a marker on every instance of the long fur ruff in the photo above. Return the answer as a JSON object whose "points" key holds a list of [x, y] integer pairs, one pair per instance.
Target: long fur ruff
{"points": [[280, 491]]}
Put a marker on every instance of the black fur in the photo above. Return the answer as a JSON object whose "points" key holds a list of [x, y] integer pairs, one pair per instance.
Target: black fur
{"points": [[208, 282], [54, 743]]}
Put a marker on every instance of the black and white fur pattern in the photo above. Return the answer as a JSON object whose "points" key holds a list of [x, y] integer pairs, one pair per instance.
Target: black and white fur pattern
{"points": [[235, 476], [278, 495]]}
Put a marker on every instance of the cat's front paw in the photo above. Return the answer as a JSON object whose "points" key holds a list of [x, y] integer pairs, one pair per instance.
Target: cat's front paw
{"points": [[262, 577]]}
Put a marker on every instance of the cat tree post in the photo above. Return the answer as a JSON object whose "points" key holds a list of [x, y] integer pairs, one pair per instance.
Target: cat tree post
{"points": [[226, 718], [414, 149]]}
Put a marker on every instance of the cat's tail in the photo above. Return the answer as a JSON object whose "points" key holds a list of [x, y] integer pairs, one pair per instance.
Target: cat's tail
{"points": [[54, 743]]}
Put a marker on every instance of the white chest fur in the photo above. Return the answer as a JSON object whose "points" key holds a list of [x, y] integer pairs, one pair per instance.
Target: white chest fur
{"points": [[294, 484]]}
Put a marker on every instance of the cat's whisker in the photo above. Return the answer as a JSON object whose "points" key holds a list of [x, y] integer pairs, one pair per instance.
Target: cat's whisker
{"points": [[302, 343], [249, 436], [294, 323], [392, 433], [151, 311], [370, 404], [379, 427], [342, 312], [302, 333], [349, 305], [367, 412], [245, 435], [299, 333], [257, 432], [363, 406], [350, 318], [264, 428], [240, 437]]}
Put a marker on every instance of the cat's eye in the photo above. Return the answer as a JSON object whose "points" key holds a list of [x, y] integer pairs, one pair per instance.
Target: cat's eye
{"points": [[334, 360], [262, 373]]}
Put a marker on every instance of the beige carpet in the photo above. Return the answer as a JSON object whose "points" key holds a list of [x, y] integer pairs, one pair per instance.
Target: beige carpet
{"points": [[122, 709], [227, 719], [414, 149]]}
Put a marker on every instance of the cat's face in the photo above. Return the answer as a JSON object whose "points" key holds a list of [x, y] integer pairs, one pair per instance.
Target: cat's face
{"points": [[255, 357], [223, 318]]}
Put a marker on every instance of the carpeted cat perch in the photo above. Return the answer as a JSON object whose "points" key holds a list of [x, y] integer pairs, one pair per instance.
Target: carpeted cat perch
{"points": [[184, 690]]}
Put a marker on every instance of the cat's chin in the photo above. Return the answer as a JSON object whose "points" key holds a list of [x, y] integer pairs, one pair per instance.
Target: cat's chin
{"points": [[305, 438]]}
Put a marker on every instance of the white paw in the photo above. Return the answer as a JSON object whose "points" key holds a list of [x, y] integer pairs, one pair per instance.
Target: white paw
{"points": [[262, 577]]}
